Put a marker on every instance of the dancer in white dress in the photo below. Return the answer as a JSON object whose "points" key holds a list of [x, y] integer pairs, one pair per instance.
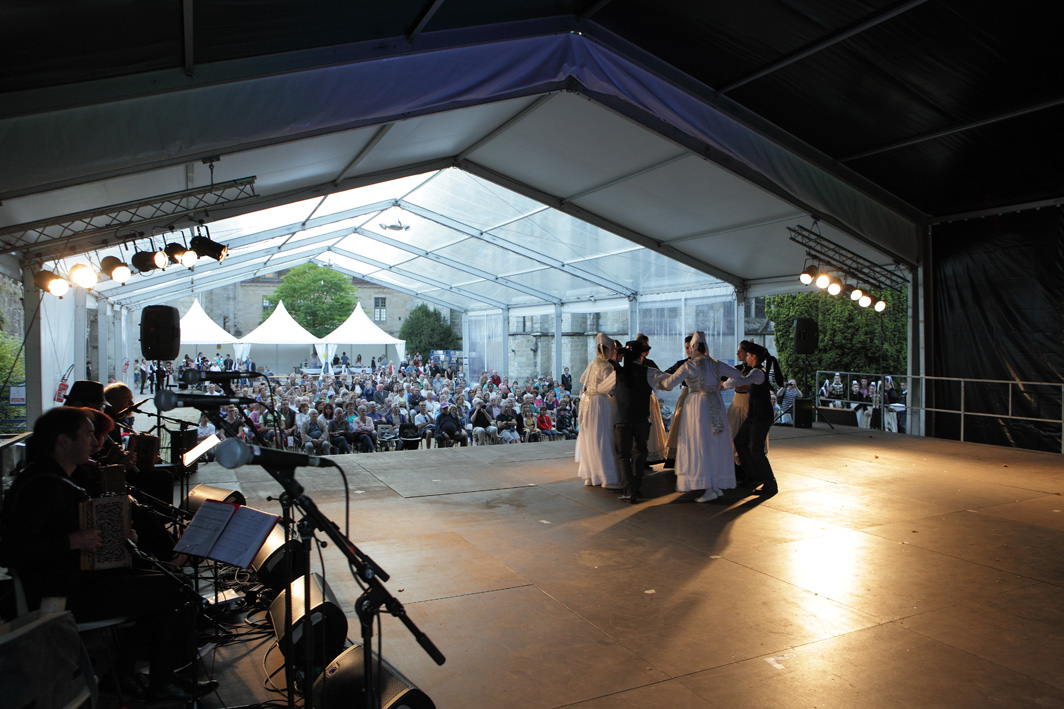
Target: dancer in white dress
{"points": [[704, 457], [594, 445]]}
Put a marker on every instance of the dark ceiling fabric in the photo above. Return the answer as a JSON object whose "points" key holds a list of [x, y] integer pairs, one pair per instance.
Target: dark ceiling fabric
{"points": [[934, 67], [999, 314]]}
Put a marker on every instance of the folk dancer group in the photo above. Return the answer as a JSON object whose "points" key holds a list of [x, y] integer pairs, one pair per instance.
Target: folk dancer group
{"points": [[621, 427]]}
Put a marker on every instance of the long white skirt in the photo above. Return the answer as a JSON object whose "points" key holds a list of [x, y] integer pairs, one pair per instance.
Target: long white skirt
{"points": [[594, 445], [703, 459], [657, 443]]}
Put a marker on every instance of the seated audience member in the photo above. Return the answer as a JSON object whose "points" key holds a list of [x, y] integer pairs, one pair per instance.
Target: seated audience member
{"points": [[527, 424], [484, 430], [364, 431], [315, 435], [450, 429], [546, 425], [424, 423], [507, 424], [339, 430], [564, 423]]}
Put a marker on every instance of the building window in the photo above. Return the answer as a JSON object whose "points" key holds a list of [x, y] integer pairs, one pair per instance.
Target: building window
{"points": [[267, 305], [380, 310]]}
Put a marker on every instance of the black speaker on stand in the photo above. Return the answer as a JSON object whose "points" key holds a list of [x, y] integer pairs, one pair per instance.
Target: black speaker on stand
{"points": [[342, 683], [806, 336], [160, 333]]}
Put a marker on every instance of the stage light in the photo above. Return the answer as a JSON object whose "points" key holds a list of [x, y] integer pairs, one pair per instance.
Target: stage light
{"points": [[822, 281], [145, 261], [179, 254], [115, 269], [881, 305], [808, 274], [205, 246], [834, 286], [49, 281], [865, 301], [83, 276], [856, 294]]}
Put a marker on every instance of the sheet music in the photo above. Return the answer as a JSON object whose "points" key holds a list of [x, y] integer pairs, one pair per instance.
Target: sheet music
{"points": [[205, 528], [226, 532], [243, 537]]}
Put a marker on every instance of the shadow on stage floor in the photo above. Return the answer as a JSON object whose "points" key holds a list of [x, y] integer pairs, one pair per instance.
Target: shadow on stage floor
{"points": [[889, 571]]}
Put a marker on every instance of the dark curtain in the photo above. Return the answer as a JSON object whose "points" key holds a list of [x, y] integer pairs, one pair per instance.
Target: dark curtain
{"points": [[998, 289]]}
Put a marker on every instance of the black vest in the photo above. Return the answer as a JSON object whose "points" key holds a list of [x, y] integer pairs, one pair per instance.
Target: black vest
{"points": [[761, 401]]}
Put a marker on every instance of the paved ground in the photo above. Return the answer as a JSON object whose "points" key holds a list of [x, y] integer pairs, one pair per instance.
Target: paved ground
{"points": [[890, 571]]}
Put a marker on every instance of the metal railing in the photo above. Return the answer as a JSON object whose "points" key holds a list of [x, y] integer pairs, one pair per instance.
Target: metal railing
{"points": [[964, 398]]}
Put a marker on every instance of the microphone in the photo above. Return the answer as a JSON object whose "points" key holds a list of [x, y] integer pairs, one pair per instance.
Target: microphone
{"points": [[166, 400], [135, 408], [233, 452], [195, 376]]}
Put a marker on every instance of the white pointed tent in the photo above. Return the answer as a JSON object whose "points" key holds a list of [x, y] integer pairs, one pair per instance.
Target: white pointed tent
{"points": [[359, 334], [197, 328], [280, 343]]}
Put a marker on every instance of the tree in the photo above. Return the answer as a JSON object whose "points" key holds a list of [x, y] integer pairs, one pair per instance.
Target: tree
{"points": [[9, 346], [318, 298], [425, 329], [852, 338]]}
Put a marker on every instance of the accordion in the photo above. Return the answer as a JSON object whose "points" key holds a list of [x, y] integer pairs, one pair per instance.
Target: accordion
{"points": [[110, 515]]}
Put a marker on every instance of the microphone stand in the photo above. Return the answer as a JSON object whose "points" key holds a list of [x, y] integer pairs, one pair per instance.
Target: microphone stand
{"points": [[368, 605]]}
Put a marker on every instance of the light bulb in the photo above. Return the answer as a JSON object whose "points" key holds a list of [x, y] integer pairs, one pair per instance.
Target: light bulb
{"points": [[58, 287], [83, 276]]}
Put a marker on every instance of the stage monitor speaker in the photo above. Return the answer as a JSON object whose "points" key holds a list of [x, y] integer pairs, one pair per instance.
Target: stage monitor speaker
{"points": [[328, 622], [838, 417], [806, 335], [201, 493], [341, 684], [269, 562], [160, 332], [803, 413]]}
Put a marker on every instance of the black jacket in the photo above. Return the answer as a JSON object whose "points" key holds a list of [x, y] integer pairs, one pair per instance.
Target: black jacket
{"points": [[632, 392]]}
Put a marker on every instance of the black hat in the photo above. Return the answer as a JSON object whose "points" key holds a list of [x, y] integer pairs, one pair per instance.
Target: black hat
{"points": [[637, 347], [86, 391]]}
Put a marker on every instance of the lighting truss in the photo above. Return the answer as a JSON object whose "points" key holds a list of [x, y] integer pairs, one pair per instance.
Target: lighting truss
{"points": [[71, 233], [846, 262]]}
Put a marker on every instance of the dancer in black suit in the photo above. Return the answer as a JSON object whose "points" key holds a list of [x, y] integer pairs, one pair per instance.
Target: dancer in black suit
{"points": [[632, 426]]}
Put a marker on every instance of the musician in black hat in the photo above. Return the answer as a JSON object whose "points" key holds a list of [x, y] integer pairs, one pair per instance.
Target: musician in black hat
{"points": [[632, 425], [41, 540]]}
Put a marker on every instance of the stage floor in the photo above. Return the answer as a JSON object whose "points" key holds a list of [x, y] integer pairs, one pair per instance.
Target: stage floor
{"points": [[889, 571]]}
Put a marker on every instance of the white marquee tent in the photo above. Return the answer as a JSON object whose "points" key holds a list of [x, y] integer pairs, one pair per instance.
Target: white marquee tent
{"points": [[197, 328], [358, 333], [279, 343]]}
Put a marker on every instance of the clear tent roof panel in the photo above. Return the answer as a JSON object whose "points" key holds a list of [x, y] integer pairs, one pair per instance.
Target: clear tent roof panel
{"points": [[422, 234], [560, 284], [375, 250], [562, 236], [652, 271], [478, 253], [481, 204], [263, 219], [370, 194]]}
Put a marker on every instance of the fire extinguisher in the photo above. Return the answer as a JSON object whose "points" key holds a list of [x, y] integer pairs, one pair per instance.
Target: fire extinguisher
{"points": [[61, 390]]}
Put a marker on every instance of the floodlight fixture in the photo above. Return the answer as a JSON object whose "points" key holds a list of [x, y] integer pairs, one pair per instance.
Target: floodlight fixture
{"points": [[834, 285], [881, 305], [83, 276], [145, 261], [205, 246], [865, 301], [823, 280], [855, 292], [808, 273], [179, 254], [114, 268], [51, 282]]}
